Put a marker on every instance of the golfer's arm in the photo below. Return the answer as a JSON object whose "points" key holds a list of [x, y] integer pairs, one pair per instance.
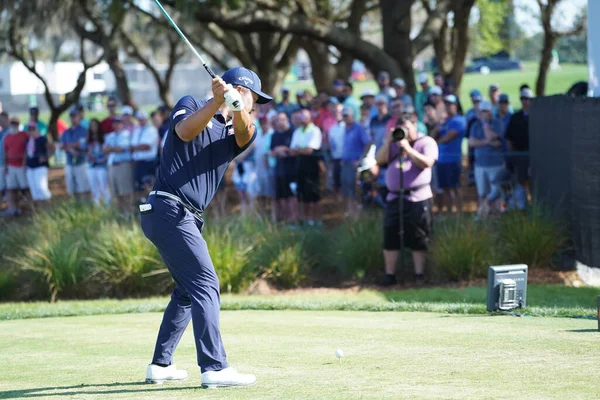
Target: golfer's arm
{"points": [[193, 125], [243, 128]]}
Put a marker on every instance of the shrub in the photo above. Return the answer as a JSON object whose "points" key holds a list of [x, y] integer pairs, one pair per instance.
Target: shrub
{"points": [[126, 261], [357, 247], [462, 249], [230, 253], [7, 283], [532, 239], [58, 262], [286, 269]]}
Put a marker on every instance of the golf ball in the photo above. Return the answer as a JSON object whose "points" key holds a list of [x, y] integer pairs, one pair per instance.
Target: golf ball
{"points": [[339, 353]]}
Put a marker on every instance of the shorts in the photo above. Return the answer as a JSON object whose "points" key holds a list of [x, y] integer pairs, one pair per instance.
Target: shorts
{"points": [[348, 179], [448, 175], [16, 178], [519, 167], [282, 186], [120, 178], [487, 181], [418, 225], [308, 180], [77, 179], [337, 173], [144, 171], [38, 183]]}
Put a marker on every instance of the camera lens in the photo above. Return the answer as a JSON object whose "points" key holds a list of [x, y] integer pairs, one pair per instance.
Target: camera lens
{"points": [[398, 134]]}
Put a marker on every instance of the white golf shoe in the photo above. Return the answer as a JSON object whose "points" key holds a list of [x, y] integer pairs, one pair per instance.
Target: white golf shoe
{"points": [[227, 377], [158, 374]]}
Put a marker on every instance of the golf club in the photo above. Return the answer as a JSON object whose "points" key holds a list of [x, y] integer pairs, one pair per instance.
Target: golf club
{"points": [[191, 46], [232, 97]]}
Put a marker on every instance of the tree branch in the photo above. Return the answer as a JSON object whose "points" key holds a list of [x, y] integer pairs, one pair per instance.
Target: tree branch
{"points": [[432, 26]]}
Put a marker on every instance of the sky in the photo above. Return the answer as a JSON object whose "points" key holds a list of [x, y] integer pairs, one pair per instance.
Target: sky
{"points": [[527, 11]]}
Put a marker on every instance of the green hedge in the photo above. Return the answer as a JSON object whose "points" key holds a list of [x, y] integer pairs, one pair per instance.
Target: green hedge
{"points": [[79, 251]]}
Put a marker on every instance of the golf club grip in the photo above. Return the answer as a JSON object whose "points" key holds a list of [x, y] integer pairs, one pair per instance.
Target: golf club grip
{"points": [[212, 74]]}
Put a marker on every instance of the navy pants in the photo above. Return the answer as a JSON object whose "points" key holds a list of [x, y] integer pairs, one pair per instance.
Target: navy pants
{"points": [[176, 232]]}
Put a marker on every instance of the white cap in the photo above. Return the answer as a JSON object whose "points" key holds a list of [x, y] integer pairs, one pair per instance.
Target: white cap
{"points": [[141, 114], [436, 90], [423, 77], [367, 92], [485, 106], [527, 93], [126, 110], [399, 82]]}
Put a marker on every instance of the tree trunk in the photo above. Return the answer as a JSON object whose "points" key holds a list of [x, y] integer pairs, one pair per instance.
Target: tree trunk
{"points": [[123, 92], [344, 66], [164, 92], [396, 22], [440, 48], [323, 72], [545, 60], [52, 128], [460, 40]]}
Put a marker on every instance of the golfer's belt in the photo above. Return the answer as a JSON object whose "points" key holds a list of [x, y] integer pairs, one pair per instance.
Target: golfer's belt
{"points": [[167, 195]]}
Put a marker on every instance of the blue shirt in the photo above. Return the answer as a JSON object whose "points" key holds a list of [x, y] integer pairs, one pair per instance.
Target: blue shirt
{"points": [[71, 136], [470, 114], [488, 156], [3, 134], [378, 132], [192, 170], [355, 140], [505, 120], [451, 152]]}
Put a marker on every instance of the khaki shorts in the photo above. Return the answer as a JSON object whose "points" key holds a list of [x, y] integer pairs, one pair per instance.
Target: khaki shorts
{"points": [[16, 178], [76, 179], [120, 178]]}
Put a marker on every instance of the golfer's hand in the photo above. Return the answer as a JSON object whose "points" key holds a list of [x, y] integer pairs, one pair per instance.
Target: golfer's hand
{"points": [[219, 88]]}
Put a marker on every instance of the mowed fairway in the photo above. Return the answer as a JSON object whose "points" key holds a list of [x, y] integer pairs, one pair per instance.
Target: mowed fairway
{"points": [[387, 355]]}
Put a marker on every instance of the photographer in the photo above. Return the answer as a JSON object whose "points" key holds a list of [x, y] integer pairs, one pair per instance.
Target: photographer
{"points": [[417, 154]]}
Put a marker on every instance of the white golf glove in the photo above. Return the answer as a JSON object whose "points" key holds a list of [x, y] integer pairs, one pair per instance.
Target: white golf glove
{"points": [[233, 99]]}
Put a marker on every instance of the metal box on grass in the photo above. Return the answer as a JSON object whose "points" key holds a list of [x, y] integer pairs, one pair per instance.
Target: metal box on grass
{"points": [[507, 287]]}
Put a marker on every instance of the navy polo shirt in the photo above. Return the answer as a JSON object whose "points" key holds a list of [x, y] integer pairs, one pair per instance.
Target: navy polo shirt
{"points": [[192, 170]]}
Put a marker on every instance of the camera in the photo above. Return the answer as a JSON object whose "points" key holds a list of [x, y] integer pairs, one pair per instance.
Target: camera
{"points": [[399, 133]]}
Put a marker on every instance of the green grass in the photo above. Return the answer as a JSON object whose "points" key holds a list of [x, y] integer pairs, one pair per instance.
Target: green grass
{"points": [[386, 356], [510, 81], [543, 300]]}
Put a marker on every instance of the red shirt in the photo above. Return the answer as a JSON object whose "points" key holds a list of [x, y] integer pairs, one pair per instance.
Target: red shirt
{"points": [[61, 126], [107, 125], [14, 148]]}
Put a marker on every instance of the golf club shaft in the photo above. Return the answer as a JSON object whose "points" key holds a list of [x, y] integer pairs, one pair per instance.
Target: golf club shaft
{"points": [[174, 25]]}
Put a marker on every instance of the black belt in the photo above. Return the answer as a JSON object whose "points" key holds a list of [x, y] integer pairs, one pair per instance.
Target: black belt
{"points": [[167, 195]]}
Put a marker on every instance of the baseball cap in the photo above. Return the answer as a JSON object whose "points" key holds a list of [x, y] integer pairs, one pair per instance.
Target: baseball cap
{"points": [[527, 93], [241, 76], [126, 110], [495, 86], [485, 106], [34, 110], [73, 111], [347, 111], [408, 109], [475, 92], [367, 93], [503, 98], [383, 75], [450, 99], [423, 77], [141, 114], [436, 90], [338, 83], [399, 82], [381, 99], [285, 90], [477, 97], [117, 118]]}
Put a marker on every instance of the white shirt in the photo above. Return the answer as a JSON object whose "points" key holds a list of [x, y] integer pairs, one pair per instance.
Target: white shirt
{"points": [[336, 139], [118, 139], [310, 137], [148, 135]]}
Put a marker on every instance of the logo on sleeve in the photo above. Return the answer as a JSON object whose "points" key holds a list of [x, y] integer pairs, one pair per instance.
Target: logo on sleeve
{"points": [[178, 113]]}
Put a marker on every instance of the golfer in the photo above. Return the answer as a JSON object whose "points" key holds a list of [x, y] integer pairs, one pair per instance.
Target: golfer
{"points": [[202, 140]]}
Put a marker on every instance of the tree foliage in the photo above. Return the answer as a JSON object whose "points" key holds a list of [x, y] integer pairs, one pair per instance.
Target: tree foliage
{"points": [[490, 33]]}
